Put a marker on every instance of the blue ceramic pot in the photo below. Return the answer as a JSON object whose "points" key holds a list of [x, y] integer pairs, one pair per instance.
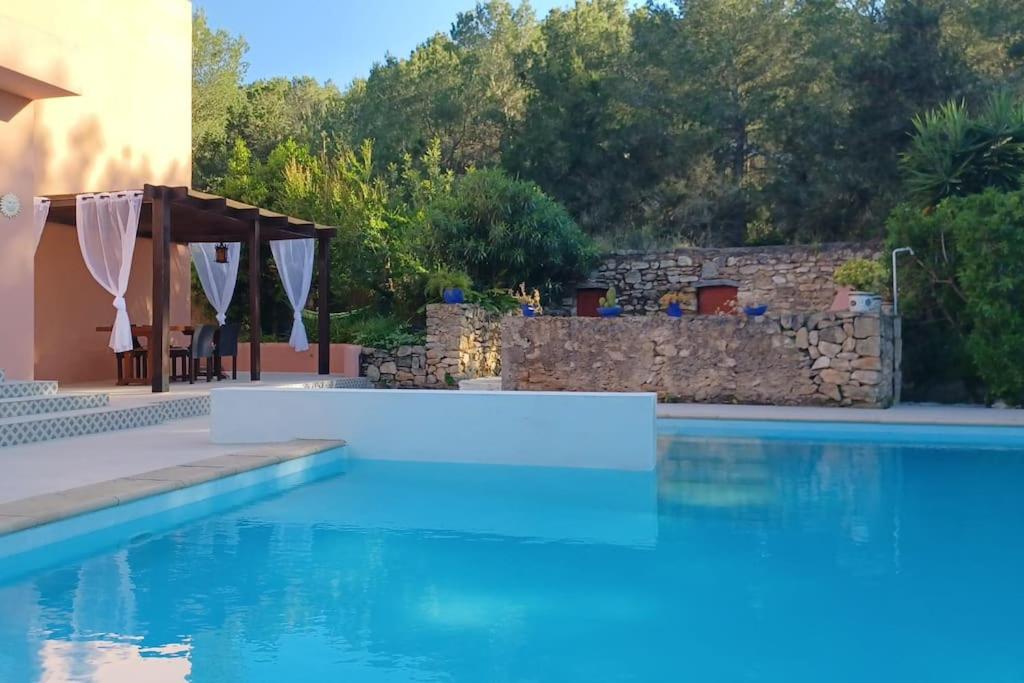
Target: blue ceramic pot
{"points": [[674, 310], [609, 312], [453, 295], [528, 310], [754, 311]]}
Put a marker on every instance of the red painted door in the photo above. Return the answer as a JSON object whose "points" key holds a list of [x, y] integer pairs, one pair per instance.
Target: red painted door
{"points": [[587, 302], [716, 299]]}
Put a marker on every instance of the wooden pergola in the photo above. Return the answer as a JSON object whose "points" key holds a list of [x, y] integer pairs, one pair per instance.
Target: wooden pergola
{"points": [[182, 215]]}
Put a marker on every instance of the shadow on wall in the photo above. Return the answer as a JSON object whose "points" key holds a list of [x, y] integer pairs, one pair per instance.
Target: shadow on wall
{"points": [[69, 303], [11, 106]]}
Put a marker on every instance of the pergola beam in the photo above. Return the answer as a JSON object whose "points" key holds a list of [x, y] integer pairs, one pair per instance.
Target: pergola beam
{"points": [[323, 301], [160, 340], [255, 324]]}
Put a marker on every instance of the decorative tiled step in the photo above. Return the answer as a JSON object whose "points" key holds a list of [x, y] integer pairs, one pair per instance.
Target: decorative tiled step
{"points": [[25, 389], [339, 383], [22, 430], [58, 403], [44, 427]]}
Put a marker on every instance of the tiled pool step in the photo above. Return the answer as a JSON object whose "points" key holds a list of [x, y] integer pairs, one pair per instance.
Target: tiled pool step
{"points": [[339, 383], [25, 389], [15, 431], [56, 403]]}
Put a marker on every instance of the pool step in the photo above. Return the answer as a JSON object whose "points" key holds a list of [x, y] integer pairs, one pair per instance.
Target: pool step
{"points": [[15, 431], [57, 403], [26, 389], [339, 383]]}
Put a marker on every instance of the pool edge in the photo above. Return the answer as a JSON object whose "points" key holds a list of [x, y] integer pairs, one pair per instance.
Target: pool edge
{"points": [[48, 508]]}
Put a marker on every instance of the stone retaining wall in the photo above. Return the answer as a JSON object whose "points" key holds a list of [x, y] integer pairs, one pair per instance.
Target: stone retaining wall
{"points": [[793, 359], [463, 342], [787, 278]]}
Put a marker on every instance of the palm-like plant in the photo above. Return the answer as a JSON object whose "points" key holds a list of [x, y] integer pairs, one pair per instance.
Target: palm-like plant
{"points": [[954, 153]]}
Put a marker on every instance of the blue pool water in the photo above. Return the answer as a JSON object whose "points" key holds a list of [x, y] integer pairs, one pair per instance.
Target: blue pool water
{"points": [[744, 560]]}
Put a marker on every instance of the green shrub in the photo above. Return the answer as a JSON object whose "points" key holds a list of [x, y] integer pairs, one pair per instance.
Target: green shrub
{"points": [[494, 300], [935, 323], [962, 293], [365, 328], [862, 275], [504, 231], [989, 230]]}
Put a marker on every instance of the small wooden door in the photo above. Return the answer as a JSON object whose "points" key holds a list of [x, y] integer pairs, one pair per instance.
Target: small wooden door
{"points": [[587, 301], [716, 299]]}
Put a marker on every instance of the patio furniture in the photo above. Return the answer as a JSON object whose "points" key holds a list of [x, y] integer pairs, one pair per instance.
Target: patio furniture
{"points": [[180, 353], [177, 215], [132, 366], [127, 372], [202, 348], [227, 345]]}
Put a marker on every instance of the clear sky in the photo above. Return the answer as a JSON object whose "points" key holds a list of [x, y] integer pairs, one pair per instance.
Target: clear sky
{"points": [[334, 39]]}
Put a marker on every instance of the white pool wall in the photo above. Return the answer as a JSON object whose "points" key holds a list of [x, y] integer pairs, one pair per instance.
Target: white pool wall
{"points": [[553, 429]]}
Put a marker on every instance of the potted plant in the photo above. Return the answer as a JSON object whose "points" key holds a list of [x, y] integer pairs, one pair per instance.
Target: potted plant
{"points": [[608, 305], [449, 286], [529, 303], [865, 279], [673, 304]]}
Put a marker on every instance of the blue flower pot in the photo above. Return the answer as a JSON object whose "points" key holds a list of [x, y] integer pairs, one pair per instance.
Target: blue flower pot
{"points": [[609, 312], [674, 310], [528, 310], [453, 295], [754, 311]]}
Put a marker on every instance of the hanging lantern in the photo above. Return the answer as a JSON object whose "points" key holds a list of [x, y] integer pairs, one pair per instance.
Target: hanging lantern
{"points": [[222, 252]]}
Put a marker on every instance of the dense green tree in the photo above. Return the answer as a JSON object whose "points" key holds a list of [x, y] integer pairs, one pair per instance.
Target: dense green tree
{"points": [[217, 73], [503, 231]]}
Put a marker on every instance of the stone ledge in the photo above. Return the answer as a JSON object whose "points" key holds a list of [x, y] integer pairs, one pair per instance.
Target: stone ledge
{"points": [[50, 507]]}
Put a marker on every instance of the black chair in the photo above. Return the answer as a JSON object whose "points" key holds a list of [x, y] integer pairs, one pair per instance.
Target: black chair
{"points": [[227, 345], [202, 348], [180, 353]]}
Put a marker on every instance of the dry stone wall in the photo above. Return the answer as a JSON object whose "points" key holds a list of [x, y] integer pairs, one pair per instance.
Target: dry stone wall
{"points": [[794, 359], [463, 342], [787, 278]]}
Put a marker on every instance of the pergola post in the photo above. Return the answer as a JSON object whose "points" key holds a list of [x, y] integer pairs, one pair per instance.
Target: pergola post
{"points": [[255, 325], [160, 340], [323, 301]]}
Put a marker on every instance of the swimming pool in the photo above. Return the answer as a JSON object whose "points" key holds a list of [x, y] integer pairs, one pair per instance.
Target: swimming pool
{"points": [[739, 560]]}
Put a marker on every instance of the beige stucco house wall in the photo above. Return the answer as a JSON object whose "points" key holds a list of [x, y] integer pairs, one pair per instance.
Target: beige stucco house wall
{"points": [[94, 95]]}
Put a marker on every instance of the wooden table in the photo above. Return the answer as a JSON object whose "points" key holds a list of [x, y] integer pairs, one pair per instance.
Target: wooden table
{"points": [[125, 368]]}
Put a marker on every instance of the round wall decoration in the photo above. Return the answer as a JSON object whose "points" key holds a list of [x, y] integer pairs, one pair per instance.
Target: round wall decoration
{"points": [[10, 205]]}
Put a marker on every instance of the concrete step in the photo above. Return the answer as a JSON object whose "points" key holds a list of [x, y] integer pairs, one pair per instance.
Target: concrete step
{"points": [[56, 403], [15, 431], [26, 389]]}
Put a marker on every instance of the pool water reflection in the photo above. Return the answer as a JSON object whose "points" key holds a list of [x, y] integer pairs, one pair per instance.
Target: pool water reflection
{"points": [[737, 561]]}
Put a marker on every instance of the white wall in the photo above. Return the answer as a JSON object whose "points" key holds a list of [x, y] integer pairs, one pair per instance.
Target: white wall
{"points": [[553, 429]]}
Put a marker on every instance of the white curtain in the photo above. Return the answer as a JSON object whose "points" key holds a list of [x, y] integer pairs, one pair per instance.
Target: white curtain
{"points": [[107, 225], [218, 279], [294, 259], [41, 209]]}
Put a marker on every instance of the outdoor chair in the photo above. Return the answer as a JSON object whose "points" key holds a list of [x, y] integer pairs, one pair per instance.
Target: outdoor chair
{"points": [[202, 348], [227, 345], [180, 353], [137, 358]]}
